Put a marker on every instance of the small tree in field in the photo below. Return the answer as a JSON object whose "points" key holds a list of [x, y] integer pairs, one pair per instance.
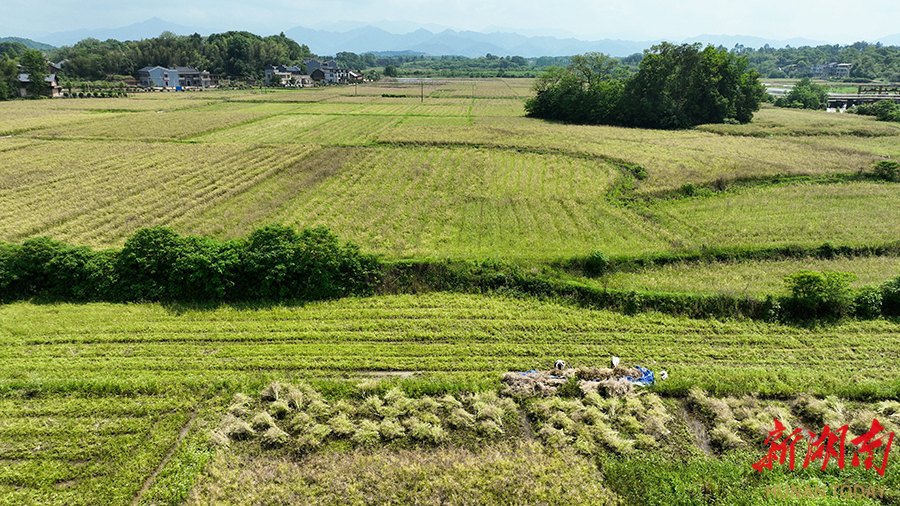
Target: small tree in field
{"points": [[888, 170], [804, 95], [820, 294], [890, 292]]}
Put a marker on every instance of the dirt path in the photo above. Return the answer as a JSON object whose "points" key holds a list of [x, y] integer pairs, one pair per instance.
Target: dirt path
{"points": [[152, 477]]}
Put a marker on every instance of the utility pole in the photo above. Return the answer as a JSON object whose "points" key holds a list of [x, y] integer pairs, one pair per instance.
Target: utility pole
{"points": [[423, 91]]}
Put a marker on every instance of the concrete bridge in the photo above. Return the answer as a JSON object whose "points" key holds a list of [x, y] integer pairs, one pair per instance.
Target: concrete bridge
{"points": [[865, 94]]}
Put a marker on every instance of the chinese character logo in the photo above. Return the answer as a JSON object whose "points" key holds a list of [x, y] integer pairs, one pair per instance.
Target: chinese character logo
{"points": [[829, 445]]}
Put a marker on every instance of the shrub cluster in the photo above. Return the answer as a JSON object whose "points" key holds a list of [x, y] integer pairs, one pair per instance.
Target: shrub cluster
{"points": [[156, 264], [884, 110], [804, 95], [828, 295], [886, 170], [819, 295]]}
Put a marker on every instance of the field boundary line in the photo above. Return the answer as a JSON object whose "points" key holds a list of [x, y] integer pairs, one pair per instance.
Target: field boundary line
{"points": [[150, 479]]}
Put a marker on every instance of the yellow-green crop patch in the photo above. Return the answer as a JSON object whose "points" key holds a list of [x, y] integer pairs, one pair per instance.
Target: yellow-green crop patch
{"points": [[848, 213], [752, 278], [286, 128], [336, 129], [778, 122], [498, 107], [333, 108], [71, 449], [496, 88], [20, 118], [671, 159], [466, 202], [152, 347], [347, 130], [98, 198], [435, 121], [441, 109], [162, 124], [388, 107]]}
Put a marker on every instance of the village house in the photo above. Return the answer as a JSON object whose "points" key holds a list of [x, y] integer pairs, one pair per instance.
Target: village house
{"points": [[327, 72], [53, 87], [826, 70], [287, 76], [820, 70], [174, 77]]}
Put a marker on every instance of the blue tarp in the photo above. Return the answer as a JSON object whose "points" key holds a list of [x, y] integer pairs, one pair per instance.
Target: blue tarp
{"points": [[645, 380]]}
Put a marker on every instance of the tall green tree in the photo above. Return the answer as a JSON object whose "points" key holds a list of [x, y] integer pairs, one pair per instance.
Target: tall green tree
{"points": [[593, 68], [588, 94], [674, 87], [34, 64], [9, 84], [682, 86]]}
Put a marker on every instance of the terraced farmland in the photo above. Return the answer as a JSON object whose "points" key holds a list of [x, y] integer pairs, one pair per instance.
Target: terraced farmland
{"points": [[116, 165], [120, 404]]}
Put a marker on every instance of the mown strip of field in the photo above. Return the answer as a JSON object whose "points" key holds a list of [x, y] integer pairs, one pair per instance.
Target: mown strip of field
{"points": [[152, 346], [81, 448], [755, 278]]}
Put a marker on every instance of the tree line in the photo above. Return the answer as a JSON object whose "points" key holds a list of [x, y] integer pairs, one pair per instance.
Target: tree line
{"points": [[236, 53], [870, 61], [274, 262], [245, 55]]}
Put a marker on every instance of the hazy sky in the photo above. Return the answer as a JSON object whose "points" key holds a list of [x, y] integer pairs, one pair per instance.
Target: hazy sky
{"points": [[830, 20]]}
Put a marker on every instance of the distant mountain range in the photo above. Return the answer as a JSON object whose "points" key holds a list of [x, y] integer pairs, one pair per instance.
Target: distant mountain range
{"points": [[473, 44], [358, 38]]}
